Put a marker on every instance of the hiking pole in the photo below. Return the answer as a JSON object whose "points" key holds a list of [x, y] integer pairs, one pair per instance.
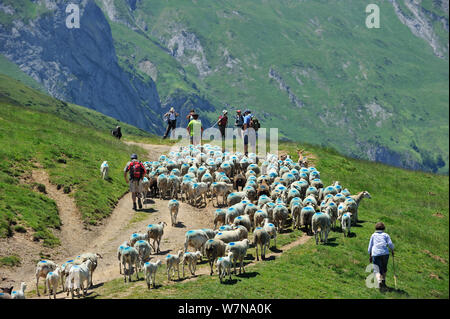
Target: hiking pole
{"points": [[395, 276]]}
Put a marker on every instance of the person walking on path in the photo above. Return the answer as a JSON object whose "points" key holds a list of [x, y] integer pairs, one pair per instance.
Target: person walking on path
{"points": [[239, 122], [195, 130], [222, 123], [379, 254], [136, 172], [171, 117]]}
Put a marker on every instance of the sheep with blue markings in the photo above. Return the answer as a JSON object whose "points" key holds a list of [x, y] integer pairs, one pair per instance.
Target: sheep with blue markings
{"points": [[130, 258], [104, 168], [346, 223], [162, 184], [150, 269], [137, 236], [214, 248], [19, 294], [52, 281], [258, 218], [79, 278], [280, 215], [235, 197], [144, 250], [155, 232], [220, 189], [223, 266], [174, 184], [271, 230], [43, 267], [243, 220], [174, 206], [172, 262], [239, 250], [219, 217], [306, 215], [191, 259], [195, 238], [261, 238], [119, 254], [321, 224], [296, 209], [232, 235]]}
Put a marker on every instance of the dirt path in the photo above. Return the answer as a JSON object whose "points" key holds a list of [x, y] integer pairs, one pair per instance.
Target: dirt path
{"points": [[104, 239]]}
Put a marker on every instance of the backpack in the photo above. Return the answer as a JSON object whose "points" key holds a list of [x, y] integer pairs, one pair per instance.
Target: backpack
{"points": [[222, 121], [254, 123], [239, 120], [137, 170]]}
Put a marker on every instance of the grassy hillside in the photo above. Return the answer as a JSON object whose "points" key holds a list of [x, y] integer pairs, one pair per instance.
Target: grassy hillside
{"points": [[414, 207], [68, 141]]}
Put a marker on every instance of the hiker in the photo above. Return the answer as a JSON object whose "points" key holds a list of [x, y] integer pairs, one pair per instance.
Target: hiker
{"points": [[137, 173], [190, 116], [171, 118], [379, 253], [239, 122], [222, 123], [195, 130], [117, 132], [250, 122]]}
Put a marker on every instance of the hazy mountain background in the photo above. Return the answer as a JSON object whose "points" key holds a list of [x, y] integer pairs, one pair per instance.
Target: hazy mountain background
{"points": [[311, 68]]}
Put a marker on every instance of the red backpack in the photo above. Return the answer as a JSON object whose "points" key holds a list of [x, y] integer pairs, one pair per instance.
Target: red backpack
{"points": [[137, 170]]}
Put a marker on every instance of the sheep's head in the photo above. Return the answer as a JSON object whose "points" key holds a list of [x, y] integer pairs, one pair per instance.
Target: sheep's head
{"points": [[366, 194]]}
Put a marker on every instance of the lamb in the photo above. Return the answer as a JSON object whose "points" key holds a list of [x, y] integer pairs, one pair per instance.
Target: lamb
{"points": [[130, 257], [78, 275], [94, 262], [173, 261], [243, 220], [261, 238], [239, 250], [271, 230], [43, 267], [173, 205], [143, 248], [155, 232], [232, 235], [258, 218], [223, 266], [280, 215], [191, 259], [346, 223], [51, 282], [150, 272], [306, 215], [214, 248], [321, 221], [104, 168], [19, 294], [119, 254], [219, 216], [195, 238]]}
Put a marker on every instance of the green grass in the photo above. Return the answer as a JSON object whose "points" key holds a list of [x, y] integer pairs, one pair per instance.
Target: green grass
{"points": [[10, 261]]}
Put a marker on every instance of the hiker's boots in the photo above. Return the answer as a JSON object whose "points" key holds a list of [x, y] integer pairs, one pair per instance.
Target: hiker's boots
{"points": [[383, 287], [134, 206], [139, 203]]}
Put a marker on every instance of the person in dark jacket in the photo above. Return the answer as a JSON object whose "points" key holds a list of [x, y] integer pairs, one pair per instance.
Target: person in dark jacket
{"points": [[222, 123], [239, 122], [379, 253], [171, 117], [136, 171]]}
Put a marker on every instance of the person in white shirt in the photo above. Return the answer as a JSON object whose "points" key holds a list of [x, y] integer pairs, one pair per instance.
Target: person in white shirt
{"points": [[171, 117], [379, 253]]}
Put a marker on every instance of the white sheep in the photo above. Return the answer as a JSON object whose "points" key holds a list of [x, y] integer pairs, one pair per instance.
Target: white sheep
{"points": [[346, 223], [173, 261], [155, 232], [230, 214], [271, 230], [295, 214], [306, 215], [219, 217], [223, 266], [143, 248], [280, 215], [258, 218], [214, 248], [78, 275], [93, 257], [321, 221], [137, 236], [51, 281], [239, 250], [19, 294], [43, 267], [243, 220], [191, 260], [150, 269], [119, 254], [104, 168], [261, 238], [173, 205], [235, 197], [130, 257], [220, 189], [232, 235], [195, 238]]}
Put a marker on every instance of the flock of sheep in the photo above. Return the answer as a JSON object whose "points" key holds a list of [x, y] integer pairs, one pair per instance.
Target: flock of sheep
{"points": [[257, 196]]}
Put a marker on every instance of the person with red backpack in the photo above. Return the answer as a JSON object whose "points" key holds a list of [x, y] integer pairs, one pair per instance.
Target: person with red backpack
{"points": [[137, 172], [222, 123]]}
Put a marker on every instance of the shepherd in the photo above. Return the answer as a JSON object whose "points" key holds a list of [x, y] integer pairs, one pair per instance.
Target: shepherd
{"points": [[171, 118], [137, 172]]}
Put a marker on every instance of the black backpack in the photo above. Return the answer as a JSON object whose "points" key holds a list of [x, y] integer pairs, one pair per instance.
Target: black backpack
{"points": [[254, 123]]}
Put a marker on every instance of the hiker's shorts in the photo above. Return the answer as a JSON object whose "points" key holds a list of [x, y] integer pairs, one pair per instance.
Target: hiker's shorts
{"points": [[136, 186], [380, 264]]}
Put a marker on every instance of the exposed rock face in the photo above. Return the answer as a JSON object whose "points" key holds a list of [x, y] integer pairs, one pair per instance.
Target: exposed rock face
{"points": [[284, 87], [80, 65]]}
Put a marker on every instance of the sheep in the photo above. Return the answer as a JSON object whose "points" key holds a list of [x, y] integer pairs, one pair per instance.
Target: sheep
{"points": [[51, 281], [232, 235], [295, 214], [43, 267], [219, 216], [226, 227], [78, 275], [321, 221], [239, 250], [155, 232], [305, 218], [94, 262], [195, 238], [280, 215], [149, 271], [250, 193], [264, 199], [258, 218], [332, 210], [261, 238], [199, 189], [353, 206], [292, 193], [19, 294], [162, 183], [311, 190], [130, 257], [191, 259], [235, 197], [119, 254], [222, 189], [173, 205], [346, 223], [239, 181], [230, 214], [173, 183], [104, 168], [214, 248], [243, 220], [143, 248], [271, 230], [137, 236], [250, 210], [173, 261], [223, 266]]}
